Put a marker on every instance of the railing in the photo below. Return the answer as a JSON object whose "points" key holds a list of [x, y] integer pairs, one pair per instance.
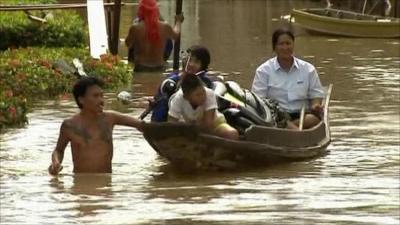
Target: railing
{"points": [[55, 6]]}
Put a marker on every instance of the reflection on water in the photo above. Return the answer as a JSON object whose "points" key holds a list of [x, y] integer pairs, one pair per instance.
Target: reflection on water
{"points": [[357, 183], [91, 192]]}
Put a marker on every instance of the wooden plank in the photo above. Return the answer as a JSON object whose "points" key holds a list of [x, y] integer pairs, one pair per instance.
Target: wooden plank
{"points": [[35, 18], [97, 28]]}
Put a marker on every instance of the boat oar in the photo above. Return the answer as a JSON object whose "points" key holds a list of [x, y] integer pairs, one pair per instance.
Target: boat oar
{"points": [[149, 108], [177, 44], [302, 113]]}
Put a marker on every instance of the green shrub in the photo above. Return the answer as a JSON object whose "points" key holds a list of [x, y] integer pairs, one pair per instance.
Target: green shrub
{"points": [[65, 28], [27, 74], [13, 109], [24, 78], [26, 2]]}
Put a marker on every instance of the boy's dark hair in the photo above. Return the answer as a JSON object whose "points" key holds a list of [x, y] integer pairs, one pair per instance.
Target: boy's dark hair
{"points": [[202, 54], [277, 33], [189, 83], [81, 86]]}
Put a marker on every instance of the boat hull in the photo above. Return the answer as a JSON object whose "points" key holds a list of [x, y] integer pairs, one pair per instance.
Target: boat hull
{"points": [[364, 26], [184, 145]]}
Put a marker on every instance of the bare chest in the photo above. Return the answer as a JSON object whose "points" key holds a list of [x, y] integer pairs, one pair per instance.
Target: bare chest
{"points": [[84, 135]]}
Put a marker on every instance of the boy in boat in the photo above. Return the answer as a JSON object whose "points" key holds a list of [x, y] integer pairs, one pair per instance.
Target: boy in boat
{"points": [[89, 131], [197, 104], [150, 36], [196, 62]]}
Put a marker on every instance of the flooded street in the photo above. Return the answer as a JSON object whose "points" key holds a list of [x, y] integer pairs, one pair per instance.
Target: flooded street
{"points": [[356, 183]]}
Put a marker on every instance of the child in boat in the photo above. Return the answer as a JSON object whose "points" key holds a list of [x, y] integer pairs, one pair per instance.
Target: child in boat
{"points": [[197, 63], [197, 104]]}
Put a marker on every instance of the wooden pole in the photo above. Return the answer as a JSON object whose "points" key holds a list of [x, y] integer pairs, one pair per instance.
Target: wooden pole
{"points": [[115, 27], [373, 7], [177, 45], [396, 8], [109, 24], [365, 5]]}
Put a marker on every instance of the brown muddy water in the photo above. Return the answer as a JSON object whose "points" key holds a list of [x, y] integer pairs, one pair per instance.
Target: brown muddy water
{"points": [[356, 183]]}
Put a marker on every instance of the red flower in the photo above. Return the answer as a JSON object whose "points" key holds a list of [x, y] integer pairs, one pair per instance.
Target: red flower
{"points": [[21, 76], [108, 65], [13, 112], [45, 63], [57, 72], [103, 57], [14, 63], [93, 62], [64, 97], [9, 93]]}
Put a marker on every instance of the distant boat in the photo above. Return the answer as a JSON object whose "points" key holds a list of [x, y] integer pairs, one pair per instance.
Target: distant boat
{"points": [[346, 23]]}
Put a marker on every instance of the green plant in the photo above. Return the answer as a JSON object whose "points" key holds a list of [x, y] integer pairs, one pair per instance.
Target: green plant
{"points": [[13, 109], [24, 78], [28, 74], [63, 28]]}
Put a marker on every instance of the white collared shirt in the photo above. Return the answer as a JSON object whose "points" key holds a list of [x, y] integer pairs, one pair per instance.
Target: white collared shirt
{"points": [[291, 89], [180, 108]]}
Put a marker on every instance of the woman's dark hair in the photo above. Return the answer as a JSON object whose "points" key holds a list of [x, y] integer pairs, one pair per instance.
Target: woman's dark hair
{"points": [[81, 86], [277, 33], [202, 54], [190, 83]]}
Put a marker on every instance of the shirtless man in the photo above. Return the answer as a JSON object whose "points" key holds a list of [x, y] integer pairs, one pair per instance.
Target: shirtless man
{"points": [[149, 37], [89, 131]]}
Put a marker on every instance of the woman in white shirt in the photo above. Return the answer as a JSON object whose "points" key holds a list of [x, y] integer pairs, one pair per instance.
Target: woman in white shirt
{"points": [[291, 81]]}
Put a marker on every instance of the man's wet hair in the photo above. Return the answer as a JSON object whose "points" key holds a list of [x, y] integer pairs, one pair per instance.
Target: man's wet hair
{"points": [[202, 54], [81, 86], [190, 83], [279, 32]]}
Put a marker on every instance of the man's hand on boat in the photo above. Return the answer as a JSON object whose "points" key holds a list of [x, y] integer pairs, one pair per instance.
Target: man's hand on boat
{"points": [[140, 126]]}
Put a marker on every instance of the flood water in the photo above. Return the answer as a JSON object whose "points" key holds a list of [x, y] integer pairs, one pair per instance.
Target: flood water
{"points": [[356, 183]]}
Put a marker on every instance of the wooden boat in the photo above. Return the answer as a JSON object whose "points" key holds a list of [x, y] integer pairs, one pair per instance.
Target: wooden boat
{"points": [[186, 146], [346, 23]]}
